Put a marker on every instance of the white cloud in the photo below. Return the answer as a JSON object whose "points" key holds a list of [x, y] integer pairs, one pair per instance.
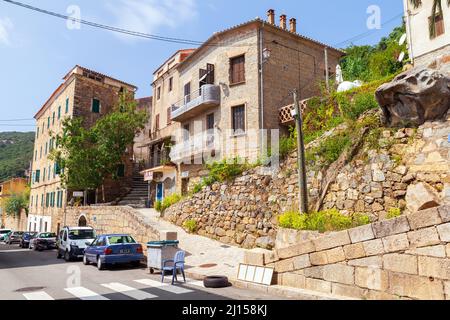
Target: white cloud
{"points": [[6, 26], [152, 16]]}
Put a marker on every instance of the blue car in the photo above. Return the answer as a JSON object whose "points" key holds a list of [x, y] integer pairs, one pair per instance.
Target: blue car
{"points": [[113, 249]]}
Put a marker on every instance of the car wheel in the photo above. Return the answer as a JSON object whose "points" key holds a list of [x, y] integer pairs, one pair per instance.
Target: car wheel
{"points": [[100, 264], [67, 256], [85, 260], [135, 264], [216, 282], [58, 254]]}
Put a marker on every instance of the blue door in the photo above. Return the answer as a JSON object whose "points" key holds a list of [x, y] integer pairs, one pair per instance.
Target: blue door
{"points": [[159, 192]]}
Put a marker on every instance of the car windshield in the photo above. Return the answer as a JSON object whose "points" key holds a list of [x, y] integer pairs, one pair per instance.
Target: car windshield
{"points": [[120, 240], [47, 235], [18, 233], [82, 234], [4, 231]]}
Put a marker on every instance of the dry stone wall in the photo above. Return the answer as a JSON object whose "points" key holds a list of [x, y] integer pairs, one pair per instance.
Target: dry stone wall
{"points": [[403, 258]]}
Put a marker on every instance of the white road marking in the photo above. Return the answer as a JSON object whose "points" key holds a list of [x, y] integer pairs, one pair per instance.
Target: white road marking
{"points": [[163, 286], [129, 291], [14, 250], [196, 283], [39, 295], [84, 294]]}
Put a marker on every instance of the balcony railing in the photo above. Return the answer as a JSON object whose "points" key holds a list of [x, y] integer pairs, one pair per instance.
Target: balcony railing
{"points": [[196, 103]]}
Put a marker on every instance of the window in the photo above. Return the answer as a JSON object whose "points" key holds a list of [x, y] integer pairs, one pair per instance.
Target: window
{"points": [[57, 168], [59, 112], [210, 129], [67, 105], [186, 132], [44, 175], [31, 201], [46, 147], [95, 106], [238, 119], [37, 133], [37, 200], [158, 93], [157, 123], [121, 171], [35, 155], [169, 116], [187, 92], [53, 118], [40, 153], [48, 123], [439, 28], [170, 84], [42, 200], [237, 70], [38, 176]]}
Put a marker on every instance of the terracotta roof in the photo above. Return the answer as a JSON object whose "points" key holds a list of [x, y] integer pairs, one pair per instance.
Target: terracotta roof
{"points": [[188, 51], [263, 23]]}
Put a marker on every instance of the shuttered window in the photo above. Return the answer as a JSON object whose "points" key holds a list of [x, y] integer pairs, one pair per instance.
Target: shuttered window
{"points": [[67, 105], [187, 92], [121, 171], [439, 28], [170, 84], [59, 112], [238, 120], [169, 116], [95, 106], [237, 70], [157, 122]]}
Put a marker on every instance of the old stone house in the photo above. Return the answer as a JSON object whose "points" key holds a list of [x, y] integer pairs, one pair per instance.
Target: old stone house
{"points": [[84, 93], [424, 45], [230, 89]]}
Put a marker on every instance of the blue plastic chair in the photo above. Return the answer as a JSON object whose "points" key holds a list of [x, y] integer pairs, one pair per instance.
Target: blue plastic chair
{"points": [[177, 264]]}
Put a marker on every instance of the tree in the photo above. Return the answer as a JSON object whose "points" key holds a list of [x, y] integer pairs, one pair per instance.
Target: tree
{"points": [[14, 204], [435, 11], [88, 156]]}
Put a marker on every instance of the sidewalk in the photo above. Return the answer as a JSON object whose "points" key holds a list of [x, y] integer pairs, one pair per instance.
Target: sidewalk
{"points": [[200, 251]]}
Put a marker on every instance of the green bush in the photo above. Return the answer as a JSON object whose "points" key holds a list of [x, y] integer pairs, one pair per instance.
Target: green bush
{"points": [[190, 225], [352, 107], [330, 149], [167, 202], [393, 213], [328, 220]]}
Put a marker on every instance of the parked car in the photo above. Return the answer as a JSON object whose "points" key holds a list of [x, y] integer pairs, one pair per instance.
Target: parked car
{"points": [[4, 233], [72, 242], [25, 240], [14, 237], [113, 249], [43, 241]]}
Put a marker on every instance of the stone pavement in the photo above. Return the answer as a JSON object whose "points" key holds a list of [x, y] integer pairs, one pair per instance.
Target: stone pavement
{"points": [[200, 251]]}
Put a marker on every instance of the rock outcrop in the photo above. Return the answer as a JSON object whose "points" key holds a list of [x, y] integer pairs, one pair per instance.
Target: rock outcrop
{"points": [[414, 97]]}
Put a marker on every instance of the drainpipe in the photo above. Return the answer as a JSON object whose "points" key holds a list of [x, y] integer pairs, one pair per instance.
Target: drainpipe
{"points": [[261, 78], [409, 31]]}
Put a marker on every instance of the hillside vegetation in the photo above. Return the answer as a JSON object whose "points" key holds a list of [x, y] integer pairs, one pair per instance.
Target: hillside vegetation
{"points": [[16, 152]]}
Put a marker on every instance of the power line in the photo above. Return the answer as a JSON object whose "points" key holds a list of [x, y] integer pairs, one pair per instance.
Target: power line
{"points": [[368, 33], [11, 120]]}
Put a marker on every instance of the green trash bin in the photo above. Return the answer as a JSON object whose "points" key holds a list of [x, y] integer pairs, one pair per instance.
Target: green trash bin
{"points": [[158, 251]]}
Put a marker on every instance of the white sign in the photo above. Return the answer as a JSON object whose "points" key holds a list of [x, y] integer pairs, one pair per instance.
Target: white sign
{"points": [[78, 194], [148, 176], [255, 274], [185, 174]]}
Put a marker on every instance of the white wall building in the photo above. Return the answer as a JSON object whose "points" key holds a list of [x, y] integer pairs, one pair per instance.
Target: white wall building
{"points": [[424, 47]]}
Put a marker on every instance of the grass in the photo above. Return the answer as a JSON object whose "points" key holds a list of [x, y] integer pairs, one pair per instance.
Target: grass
{"points": [[190, 225], [167, 202], [323, 221]]}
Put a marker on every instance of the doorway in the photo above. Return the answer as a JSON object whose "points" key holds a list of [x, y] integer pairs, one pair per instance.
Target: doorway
{"points": [[160, 191], [82, 222]]}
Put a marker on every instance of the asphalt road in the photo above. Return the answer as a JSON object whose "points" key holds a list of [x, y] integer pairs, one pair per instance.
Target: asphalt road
{"points": [[32, 275]]}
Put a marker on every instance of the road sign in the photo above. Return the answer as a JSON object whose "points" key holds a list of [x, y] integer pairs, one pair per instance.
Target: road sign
{"points": [[78, 194], [148, 176]]}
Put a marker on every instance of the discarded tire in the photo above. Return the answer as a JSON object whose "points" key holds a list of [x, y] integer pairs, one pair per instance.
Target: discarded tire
{"points": [[216, 282]]}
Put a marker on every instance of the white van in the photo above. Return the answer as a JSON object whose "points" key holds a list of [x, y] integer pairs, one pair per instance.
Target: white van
{"points": [[4, 233], [72, 242]]}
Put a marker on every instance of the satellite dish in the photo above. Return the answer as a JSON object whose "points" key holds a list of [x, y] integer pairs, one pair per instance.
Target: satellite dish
{"points": [[402, 39], [401, 57]]}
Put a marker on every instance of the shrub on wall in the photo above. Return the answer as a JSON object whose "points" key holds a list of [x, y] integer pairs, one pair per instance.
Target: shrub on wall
{"points": [[190, 225], [328, 220]]}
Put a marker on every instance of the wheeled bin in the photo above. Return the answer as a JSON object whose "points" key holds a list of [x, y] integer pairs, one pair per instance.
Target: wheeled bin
{"points": [[158, 251]]}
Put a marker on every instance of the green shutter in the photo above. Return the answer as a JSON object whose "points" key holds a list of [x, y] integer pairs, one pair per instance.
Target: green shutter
{"points": [[59, 112], [95, 105], [121, 171], [67, 105]]}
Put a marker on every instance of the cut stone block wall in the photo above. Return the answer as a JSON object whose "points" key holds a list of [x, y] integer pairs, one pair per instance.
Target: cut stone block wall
{"points": [[403, 258]]}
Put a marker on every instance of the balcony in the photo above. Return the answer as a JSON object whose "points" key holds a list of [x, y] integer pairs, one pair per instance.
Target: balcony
{"points": [[196, 103]]}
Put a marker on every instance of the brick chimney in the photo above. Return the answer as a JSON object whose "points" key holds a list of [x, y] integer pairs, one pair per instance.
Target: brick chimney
{"points": [[271, 16], [293, 25], [283, 19]]}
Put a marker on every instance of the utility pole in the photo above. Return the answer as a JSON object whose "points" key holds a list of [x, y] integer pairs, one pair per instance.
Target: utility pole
{"points": [[302, 183]]}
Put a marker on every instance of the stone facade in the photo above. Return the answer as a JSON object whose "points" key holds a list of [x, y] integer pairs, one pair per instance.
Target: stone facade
{"points": [[407, 264], [110, 220], [73, 98]]}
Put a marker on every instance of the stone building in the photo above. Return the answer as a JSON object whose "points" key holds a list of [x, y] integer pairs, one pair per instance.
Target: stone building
{"points": [[425, 46], [140, 152], [83, 93], [230, 89], [8, 188]]}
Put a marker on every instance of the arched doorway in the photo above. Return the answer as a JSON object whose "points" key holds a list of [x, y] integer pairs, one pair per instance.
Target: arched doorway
{"points": [[82, 222]]}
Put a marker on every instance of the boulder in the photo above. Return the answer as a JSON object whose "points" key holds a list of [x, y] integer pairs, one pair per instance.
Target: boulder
{"points": [[414, 97], [421, 196], [265, 243]]}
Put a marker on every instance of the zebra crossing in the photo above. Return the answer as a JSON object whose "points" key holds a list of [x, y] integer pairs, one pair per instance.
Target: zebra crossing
{"points": [[138, 290]]}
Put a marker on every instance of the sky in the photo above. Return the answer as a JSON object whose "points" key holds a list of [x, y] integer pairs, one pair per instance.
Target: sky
{"points": [[37, 50]]}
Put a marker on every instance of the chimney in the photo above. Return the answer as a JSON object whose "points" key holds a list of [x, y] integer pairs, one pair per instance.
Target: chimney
{"points": [[271, 16], [283, 20], [293, 25]]}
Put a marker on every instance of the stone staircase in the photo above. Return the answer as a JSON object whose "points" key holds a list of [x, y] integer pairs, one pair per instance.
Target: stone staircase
{"points": [[139, 193]]}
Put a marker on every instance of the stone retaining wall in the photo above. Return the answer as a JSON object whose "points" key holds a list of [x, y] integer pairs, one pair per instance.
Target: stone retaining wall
{"points": [[107, 220], [406, 257]]}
